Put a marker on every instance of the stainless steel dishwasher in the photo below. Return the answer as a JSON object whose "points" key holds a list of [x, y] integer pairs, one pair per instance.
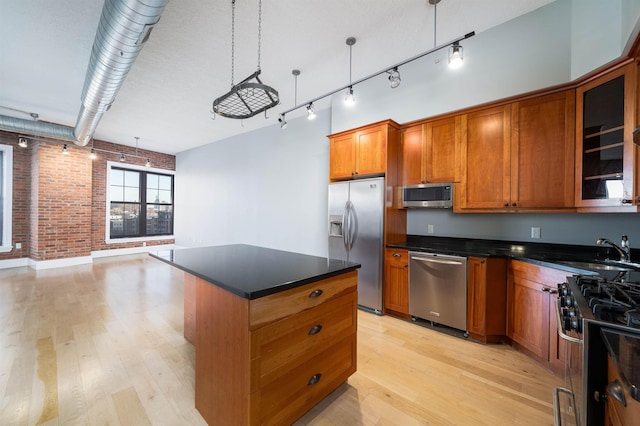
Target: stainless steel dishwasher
{"points": [[438, 288]]}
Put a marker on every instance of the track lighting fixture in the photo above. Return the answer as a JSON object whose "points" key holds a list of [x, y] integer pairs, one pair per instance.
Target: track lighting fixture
{"points": [[455, 55], [22, 142], [64, 149], [349, 99], [394, 78], [93, 155], [148, 163], [311, 114], [122, 157], [282, 121]]}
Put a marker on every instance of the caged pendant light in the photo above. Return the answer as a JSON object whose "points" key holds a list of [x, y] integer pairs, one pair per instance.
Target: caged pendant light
{"points": [[249, 97]]}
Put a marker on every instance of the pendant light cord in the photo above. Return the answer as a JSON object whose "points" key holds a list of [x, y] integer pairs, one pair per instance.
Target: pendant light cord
{"points": [[435, 22]]}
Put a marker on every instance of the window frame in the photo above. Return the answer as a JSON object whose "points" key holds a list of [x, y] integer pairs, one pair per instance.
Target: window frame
{"points": [[6, 243], [116, 165]]}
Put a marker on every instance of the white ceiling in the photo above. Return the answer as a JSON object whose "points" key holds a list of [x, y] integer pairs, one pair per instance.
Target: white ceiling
{"points": [[167, 97]]}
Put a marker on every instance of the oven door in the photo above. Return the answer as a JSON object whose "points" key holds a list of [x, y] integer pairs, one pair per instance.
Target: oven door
{"points": [[566, 400]]}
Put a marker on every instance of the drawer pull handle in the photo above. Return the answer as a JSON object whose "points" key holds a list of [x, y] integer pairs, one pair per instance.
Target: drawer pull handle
{"points": [[315, 330], [396, 255], [315, 293], [314, 379]]}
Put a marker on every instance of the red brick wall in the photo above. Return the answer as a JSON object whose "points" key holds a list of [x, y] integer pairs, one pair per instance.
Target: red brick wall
{"points": [[99, 200], [59, 201]]}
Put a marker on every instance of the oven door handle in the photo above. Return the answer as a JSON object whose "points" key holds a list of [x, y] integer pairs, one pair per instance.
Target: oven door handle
{"points": [[557, 414], [561, 332]]}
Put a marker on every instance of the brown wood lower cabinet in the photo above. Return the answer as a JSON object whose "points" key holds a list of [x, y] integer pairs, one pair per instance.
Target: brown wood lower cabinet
{"points": [[396, 281], [271, 359], [531, 320], [617, 414], [487, 298]]}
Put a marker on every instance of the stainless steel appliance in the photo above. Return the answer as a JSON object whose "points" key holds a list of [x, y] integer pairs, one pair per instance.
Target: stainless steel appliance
{"points": [[356, 212], [431, 195], [438, 288], [588, 307]]}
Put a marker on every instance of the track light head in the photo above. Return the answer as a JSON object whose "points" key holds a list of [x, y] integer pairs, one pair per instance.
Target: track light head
{"points": [[394, 78], [282, 121], [93, 155], [148, 163], [455, 55], [64, 149], [349, 98], [122, 157], [22, 142], [311, 114]]}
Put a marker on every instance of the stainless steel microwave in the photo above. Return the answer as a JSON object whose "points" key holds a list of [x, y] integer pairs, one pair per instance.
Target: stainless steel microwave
{"points": [[430, 195]]}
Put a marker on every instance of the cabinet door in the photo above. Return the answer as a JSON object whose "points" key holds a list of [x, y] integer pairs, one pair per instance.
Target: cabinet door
{"points": [[412, 155], [396, 281], [476, 295], [485, 159], [442, 146], [543, 151], [371, 151], [605, 117], [342, 157], [528, 323]]}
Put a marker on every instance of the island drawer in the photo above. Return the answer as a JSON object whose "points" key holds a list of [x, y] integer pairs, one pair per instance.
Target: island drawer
{"points": [[284, 400], [295, 339], [275, 306]]}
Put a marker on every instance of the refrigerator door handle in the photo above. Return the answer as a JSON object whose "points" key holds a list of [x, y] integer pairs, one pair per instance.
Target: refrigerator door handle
{"points": [[353, 225], [345, 226]]}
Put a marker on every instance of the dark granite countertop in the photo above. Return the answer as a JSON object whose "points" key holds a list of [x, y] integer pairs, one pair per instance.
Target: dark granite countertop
{"points": [[544, 254], [252, 272], [624, 349]]}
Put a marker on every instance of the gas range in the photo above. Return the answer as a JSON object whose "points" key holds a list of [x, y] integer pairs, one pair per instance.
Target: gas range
{"points": [[601, 299], [588, 307]]}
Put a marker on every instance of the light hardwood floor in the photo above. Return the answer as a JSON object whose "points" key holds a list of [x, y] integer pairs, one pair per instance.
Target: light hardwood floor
{"points": [[102, 344]]}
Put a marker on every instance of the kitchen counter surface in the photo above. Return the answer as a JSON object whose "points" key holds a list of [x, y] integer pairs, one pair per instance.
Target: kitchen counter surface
{"points": [[544, 254], [252, 272]]}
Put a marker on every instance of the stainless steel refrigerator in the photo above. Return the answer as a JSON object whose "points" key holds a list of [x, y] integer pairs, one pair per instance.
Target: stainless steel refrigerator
{"points": [[356, 211]]}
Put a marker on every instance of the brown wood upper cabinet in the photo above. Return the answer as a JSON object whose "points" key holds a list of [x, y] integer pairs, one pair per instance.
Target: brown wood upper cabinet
{"points": [[359, 152], [607, 160], [518, 156], [429, 151]]}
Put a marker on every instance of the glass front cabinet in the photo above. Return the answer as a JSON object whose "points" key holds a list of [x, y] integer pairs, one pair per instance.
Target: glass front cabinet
{"points": [[606, 156]]}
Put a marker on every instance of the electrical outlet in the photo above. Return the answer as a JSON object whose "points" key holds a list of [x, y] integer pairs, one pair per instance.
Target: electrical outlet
{"points": [[429, 229], [535, 232], [18, 246]]}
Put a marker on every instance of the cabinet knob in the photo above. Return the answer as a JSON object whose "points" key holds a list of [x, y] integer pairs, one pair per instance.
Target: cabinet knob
{"points": [[625, 201], [513, 204], [396, 254], [482, 261], [315, 293], [406, 265], [356, 172], [506, 204], [315, 329], [615, 390], [546, 290], [314, 379]]}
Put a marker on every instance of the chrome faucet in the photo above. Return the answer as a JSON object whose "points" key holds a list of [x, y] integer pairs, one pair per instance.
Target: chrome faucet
{"points": [[624, 249]]}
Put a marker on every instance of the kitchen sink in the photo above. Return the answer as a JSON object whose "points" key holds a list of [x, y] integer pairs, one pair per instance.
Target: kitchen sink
{"points": [[601, 266]]}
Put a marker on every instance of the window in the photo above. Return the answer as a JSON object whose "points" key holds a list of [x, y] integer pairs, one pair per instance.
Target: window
{"points": [[140, 203], [6, 196]]}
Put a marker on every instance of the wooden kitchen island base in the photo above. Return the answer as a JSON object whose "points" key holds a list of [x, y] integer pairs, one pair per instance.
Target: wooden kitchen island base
{"points": [[275, 332], [270, 360]]}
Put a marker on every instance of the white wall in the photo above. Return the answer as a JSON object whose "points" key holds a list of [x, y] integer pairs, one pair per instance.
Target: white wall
{"points": [[267, 187]]}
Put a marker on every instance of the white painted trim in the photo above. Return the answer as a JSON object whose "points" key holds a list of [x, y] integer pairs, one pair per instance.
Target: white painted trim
{"points": [[132, 250], [14, 263], [7, 190], [60, 263], [6, 249]]}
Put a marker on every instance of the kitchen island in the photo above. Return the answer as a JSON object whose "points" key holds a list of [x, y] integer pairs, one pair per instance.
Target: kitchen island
{"points": [[274, 331]]}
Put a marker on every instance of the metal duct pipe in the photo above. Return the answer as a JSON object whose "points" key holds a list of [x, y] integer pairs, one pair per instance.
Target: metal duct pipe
{"points": [[123, 28]]}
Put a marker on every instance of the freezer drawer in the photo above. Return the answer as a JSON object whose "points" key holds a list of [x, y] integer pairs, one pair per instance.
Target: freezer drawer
{"points": [[438, 288]]}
